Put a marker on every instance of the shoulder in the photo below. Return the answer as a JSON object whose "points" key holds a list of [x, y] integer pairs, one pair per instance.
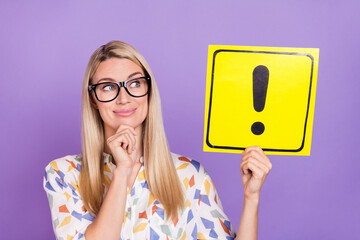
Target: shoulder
{"points": [[63, 170], [188, 168], [65, 164], [182, 162]]}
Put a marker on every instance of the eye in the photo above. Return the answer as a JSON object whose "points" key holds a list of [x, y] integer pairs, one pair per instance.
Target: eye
{"points": [[108, 87], [135, 84]]}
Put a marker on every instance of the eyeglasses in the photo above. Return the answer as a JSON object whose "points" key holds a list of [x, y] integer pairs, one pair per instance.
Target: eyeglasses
{"points": [[108, 91]]}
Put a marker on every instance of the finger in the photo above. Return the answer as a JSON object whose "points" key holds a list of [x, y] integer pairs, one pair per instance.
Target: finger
{"points": [[130, 134], [132, 140], [128, 146], [110, 140], [126, 127], [256, 170], [264, 169], [122, 142], [119, 140], [258, 150], [244, 170], [255, 154], [254, 148], [125, 131], [247, 168]]}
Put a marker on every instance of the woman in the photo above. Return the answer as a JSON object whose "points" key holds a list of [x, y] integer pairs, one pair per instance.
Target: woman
{"points": [[126, 183]]}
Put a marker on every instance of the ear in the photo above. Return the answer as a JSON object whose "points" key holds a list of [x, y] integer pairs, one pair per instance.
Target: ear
{"points": [[92, 101]]}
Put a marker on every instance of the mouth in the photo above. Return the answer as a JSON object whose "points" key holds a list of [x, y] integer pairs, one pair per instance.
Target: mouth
{"points": [[125, 112]]}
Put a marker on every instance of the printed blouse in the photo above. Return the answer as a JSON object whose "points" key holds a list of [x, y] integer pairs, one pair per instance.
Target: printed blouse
{"points": [[201, 218]]}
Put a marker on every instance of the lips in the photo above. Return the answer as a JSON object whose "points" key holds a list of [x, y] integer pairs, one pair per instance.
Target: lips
{"points": [[125, 112]]}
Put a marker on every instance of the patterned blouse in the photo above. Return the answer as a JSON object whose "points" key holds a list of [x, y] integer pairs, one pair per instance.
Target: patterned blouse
{"points": [[201, 218]]}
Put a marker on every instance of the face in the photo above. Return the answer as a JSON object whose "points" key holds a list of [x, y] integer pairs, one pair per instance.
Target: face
{"points": [[125, 109]]}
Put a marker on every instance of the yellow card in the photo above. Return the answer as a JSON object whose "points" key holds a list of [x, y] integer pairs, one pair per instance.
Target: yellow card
{"points": [[261, 96]]}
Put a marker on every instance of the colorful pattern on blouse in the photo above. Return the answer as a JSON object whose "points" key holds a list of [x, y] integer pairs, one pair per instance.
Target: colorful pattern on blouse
{"points": [[201, 218]]}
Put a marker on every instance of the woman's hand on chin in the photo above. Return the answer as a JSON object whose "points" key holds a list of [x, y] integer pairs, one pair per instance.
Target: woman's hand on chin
{"points": [[121, 145], [255, 166]]}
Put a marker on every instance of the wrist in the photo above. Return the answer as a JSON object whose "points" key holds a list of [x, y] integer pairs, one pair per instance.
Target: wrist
{"points": [[251, 205], [252, 198], [121, 174]]}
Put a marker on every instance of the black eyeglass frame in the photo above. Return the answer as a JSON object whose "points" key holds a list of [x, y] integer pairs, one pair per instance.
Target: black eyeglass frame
{"points": [[121, 84]]}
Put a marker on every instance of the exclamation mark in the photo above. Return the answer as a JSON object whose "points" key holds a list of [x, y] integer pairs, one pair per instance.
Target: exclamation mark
{"points": [[260, 85]]}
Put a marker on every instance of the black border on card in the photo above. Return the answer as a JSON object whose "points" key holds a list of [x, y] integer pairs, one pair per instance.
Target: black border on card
{"points": [[211, 93]]}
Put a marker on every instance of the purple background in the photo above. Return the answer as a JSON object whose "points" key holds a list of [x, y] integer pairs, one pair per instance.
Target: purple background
{"points": [[44, 51]]}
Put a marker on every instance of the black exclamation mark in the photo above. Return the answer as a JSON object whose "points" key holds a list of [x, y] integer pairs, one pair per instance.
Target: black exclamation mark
{"points": [[260, 85]]}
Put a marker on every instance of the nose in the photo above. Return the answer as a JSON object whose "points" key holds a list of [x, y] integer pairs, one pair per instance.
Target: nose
{"points": [[123, 96]]}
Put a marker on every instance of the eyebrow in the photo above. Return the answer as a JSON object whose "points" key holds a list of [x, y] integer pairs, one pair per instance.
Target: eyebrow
{"points": [[133, 74], [110, 79]]}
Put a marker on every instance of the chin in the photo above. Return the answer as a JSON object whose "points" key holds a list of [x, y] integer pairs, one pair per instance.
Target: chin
{"points": [[128, 123]]}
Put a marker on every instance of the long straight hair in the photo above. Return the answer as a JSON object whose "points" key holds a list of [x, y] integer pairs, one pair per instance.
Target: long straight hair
{"points": [[160, 171]]}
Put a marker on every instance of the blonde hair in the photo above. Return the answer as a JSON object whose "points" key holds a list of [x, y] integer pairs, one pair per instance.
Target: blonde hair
{"points": [[160, 171]]}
